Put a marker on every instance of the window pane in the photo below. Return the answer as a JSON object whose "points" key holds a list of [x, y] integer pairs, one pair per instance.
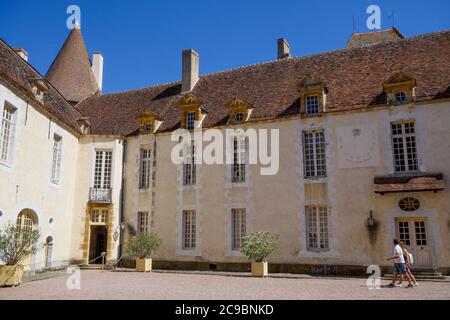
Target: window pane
{"points": [[404, 147], [238, 228]]}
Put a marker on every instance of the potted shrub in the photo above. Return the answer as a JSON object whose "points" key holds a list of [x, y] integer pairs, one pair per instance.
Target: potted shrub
{"points": [[143, 246], [16, 244], [257, 247]]}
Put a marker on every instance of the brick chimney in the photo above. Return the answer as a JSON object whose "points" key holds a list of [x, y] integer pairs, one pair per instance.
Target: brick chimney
{"points": [[283, 49], [190, 70], [97, 69], [22, 53]]}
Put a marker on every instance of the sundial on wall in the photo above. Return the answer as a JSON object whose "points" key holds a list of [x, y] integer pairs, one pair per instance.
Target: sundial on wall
{"points": [[357, 145]]}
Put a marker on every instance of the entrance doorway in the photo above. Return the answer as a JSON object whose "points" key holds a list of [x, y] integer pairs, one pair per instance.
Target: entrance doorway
{"points": [[414, 234], [98, 243]]}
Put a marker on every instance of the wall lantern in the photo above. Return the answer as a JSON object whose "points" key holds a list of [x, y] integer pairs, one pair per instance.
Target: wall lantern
{"points": [[371, 220]]}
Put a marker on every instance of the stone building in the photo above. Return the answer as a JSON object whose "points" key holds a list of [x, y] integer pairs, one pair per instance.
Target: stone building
{"points": [[364, 143]]}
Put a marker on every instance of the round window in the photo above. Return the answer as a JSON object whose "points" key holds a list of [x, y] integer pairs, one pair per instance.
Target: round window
{"points": [[239, 117], [400, 97], [409, 204]]}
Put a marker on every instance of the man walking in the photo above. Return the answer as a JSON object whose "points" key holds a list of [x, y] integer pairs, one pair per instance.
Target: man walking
{"points": [[399, 266]]}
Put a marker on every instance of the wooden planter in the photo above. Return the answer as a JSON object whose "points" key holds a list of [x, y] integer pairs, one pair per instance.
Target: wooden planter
{"points": [[144, 265], [260, 269], [10, 275]]}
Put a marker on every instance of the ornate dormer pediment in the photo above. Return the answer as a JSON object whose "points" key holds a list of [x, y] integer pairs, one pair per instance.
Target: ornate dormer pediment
{"points": [[192, 110], [312, 96], [239, 110], [400, 89], [148, 121], [85, 125], [39, 86]]}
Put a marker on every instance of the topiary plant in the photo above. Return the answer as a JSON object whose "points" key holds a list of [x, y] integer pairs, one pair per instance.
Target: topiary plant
{"points": [[17, 243], [259, 245], [143, 245]]}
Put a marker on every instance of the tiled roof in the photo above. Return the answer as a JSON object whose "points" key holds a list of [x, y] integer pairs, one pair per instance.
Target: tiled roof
{"points": [[71, 71], [354, 79], [19, 73], [368, 38], [421, 182]]}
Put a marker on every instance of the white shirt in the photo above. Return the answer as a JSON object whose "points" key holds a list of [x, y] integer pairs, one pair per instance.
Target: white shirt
{"points": [[398, 251]]}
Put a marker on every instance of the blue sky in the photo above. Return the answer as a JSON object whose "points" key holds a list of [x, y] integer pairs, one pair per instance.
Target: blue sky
{"points": [[142, 40]]}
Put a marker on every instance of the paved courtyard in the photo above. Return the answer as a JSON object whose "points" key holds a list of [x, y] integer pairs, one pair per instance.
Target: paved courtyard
{"points": [[131, 285]]}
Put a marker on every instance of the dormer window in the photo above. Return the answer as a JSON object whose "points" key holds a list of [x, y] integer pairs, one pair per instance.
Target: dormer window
{"points": [[399, 89], [39, 86], [191, 111], [148, 128], [400, 97], [238, 111], [312, 96], [190, 120], [148, 122], [312, 104]]}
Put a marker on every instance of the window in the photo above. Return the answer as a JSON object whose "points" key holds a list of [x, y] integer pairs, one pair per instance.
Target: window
{"points": [[148, 128], [314, 156], [56, 160], [239, 160], [143, 222], [404, 146], [409, 204], [25, 221], [99, 216], [317, 228], [7, 132], [189, 167], [238, 228], [239, 117], [145, 168], [189, 230], [102, 174], [312, 104], [400, 97], [403, 230], [190, 120]]}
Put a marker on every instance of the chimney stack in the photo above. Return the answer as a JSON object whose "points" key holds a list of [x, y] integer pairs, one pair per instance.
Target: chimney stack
{"points": [[97, 69], [22, 53], [283, 49], [190, 70]]}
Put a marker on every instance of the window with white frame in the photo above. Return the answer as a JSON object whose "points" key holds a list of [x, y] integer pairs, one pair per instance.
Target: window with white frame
{"points": [[99, 216], [312, 104], [189, 230], [145, 169], [190, 120], [56, 159], [189, 166], [238, 228], [404, 146], [7, 132], [143, 222], [314, 155], [317, 235], [102, 174], [239, 159]]}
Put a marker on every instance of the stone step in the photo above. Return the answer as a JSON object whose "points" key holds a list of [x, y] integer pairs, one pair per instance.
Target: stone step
{"points": [[419, 276], [94, 267]]}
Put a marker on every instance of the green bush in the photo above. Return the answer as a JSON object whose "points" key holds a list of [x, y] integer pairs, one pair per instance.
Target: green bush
{"points": [[259, 245], [17, 243], [143, 245]]}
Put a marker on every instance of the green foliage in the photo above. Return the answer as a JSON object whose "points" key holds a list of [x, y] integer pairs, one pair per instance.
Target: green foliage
{"points": [[259, 245], [17, 243], [143, 245]]}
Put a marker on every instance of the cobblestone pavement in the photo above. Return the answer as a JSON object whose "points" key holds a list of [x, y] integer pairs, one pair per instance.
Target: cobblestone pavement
{"points": [[132, 285]]}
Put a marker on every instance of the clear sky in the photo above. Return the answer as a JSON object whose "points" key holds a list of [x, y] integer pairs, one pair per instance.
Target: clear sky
{"points": [[142, 40]]}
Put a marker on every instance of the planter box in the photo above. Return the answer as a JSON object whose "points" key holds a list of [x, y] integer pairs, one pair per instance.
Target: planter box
{"points": [[260, 269], [143, 265], [10, 275]]}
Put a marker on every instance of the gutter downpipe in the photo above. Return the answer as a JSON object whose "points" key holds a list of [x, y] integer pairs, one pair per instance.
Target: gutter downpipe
{"points": [[122, 198]]}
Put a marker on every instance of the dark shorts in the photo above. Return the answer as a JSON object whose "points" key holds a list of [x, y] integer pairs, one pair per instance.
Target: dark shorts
{"points": [[400, 267]]}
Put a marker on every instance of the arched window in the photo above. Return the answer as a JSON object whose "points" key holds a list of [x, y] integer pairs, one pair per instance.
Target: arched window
{"points": [[25, 220]]}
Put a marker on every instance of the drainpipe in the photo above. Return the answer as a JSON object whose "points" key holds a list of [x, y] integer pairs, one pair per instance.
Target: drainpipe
{"points": [[122, 198]]}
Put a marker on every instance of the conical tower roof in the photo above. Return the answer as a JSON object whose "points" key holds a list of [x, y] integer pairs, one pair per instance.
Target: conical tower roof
{"points": [[71, 71]]}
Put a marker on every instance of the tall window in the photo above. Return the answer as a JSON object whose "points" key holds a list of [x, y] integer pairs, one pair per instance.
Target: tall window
{"points": [[190, 120], [238, 228], [312, 104], [404, 146], [144, 175], [143, 222], [317, 228], [239, 160], [7, 132], [314, 157], [56, 160], [189, 230], [102, 175], [99, 216], [189, 167]]}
